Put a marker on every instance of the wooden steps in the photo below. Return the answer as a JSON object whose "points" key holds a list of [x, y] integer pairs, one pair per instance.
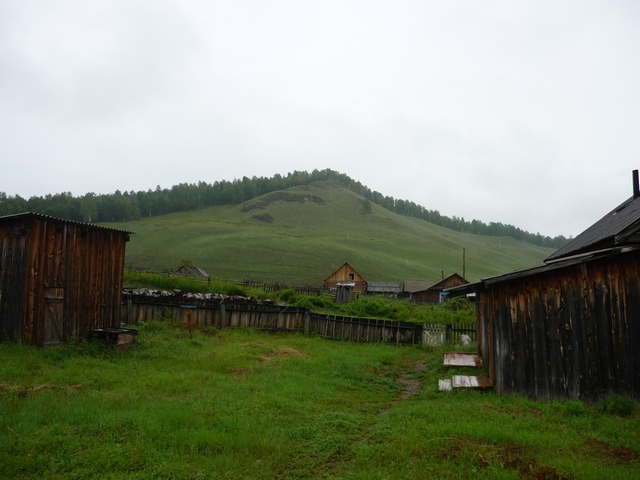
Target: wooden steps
{"points": [[462, 359], [455, 359]]}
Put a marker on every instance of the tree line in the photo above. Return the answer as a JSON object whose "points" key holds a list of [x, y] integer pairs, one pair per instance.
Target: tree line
{"points": [[127, 206]]}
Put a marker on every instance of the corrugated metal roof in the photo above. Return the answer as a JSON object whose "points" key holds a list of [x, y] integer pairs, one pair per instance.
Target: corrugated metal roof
{"points": [[193, 271], [41, 216], [417, 285], [382, 287], [547, 267], [610, 231]]}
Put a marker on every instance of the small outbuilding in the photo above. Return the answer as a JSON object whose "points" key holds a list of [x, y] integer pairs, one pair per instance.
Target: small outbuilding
{"points": [[346, 274], [391, 289], [58, 278], [569, 328], [189, 271], [430, 291]]}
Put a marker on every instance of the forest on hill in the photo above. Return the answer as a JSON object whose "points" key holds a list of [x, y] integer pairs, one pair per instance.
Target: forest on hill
{"points": [[127, 206]]}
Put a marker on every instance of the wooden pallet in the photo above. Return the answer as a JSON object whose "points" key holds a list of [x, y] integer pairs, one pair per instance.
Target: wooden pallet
{"points": [[462, 359], [465, 381]]}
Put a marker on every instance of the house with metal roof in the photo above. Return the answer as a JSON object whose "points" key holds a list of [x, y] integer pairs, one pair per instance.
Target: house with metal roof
{"points": [[431, 291], [59, 278], [568, 328]]}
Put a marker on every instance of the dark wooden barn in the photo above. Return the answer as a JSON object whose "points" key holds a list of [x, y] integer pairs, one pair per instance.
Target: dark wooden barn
{"points": [[346, 274], [435, 291], [568, 328], [58, 278]]}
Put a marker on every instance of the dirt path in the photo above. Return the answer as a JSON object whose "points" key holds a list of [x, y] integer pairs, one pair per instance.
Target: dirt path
{"points": [[411, 385]]}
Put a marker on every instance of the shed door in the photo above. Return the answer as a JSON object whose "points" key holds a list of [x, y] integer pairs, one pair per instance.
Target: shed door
{"points": [[53, 320]]}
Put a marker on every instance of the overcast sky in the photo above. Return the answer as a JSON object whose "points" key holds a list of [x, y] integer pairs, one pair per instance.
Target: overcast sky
{"points": [[525, 113]]}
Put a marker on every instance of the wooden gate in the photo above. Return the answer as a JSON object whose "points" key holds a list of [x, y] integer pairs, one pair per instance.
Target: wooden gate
{"points": [[53, 316]]}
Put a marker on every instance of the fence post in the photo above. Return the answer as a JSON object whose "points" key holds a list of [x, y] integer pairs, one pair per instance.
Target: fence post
{"points": [[129, 308], [222, 316], [417, 334], [448, 332]]}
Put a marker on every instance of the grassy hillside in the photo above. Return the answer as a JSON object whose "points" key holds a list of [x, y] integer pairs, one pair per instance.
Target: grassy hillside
{"points": [[300, 235]]}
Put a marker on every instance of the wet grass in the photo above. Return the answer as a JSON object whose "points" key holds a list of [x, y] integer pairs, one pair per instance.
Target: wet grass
{"points": [[242, 404]]}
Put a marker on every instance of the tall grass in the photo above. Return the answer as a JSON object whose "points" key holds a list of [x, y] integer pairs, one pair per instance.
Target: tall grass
{"points": [[241, 404]]}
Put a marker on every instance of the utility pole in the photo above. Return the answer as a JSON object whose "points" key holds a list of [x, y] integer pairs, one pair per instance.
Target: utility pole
{"points": [[464, 265]]}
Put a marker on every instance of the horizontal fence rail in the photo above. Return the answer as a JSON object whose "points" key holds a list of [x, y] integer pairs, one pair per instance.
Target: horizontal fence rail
{"points": [[234, 313]]}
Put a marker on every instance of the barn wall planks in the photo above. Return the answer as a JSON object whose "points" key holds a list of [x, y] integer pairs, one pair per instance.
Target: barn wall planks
{"points": [[82, 264], [12, 271], [567, 333]]}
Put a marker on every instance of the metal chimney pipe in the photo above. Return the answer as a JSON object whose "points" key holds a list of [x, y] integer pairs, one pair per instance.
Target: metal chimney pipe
{"points": [[636, 186]]}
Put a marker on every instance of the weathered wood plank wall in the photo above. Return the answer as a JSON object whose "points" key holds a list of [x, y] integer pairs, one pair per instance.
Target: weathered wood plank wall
{"points": [[567, 333], [12, 271], [63, 272]]}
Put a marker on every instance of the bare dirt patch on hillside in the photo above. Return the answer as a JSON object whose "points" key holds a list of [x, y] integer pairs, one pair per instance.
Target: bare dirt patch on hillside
{"points": [[282, 197]]}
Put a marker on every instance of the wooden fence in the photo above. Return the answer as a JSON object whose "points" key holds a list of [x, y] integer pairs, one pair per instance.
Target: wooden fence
{"points": [[215, 313], [435, 334], [274, 287], [243, 313], [365, 329]]}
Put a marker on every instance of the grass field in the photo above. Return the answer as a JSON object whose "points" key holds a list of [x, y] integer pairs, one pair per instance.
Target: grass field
{"points": [[284, 237], [237, 404]]}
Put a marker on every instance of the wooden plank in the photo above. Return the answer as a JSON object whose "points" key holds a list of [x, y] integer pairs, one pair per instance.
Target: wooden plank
{"points": [[444, 385], [455, 359], [466, 381]]}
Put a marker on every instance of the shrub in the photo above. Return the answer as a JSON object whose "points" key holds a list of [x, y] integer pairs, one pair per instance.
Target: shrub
{"points": [[287, 295], [233, 289]]}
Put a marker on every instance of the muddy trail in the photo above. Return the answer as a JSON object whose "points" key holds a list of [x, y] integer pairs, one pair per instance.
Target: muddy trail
{"points": [[410, 384]]}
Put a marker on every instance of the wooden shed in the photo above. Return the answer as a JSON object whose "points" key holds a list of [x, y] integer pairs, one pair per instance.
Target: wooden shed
{"points": [[189, 271], [435, 291], [390, 289], [346, 274], [568, 328], [58, 278]]}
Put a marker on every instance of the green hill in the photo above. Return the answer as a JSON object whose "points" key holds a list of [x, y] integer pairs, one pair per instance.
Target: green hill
{"points": [[300, 235]]}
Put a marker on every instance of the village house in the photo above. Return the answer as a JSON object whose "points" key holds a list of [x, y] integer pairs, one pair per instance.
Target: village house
{"points": [[346, 275]]}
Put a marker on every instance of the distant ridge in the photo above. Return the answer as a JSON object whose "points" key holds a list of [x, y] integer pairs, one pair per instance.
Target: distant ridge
{"points": [[301, 234], [184, 197]]}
